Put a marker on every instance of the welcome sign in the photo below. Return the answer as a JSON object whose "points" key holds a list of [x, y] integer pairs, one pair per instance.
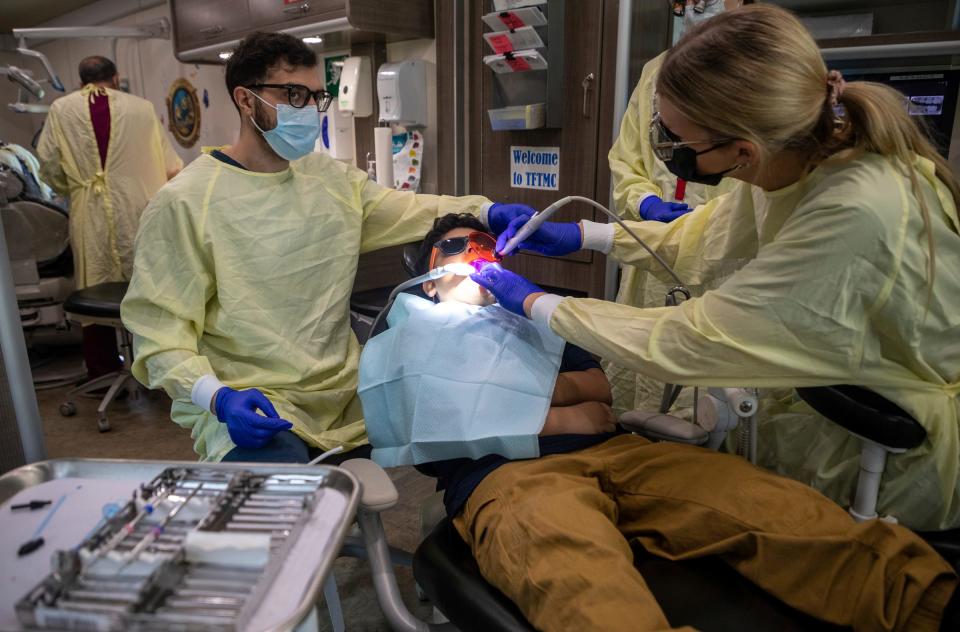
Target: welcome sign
{"points": [[535, 168]]}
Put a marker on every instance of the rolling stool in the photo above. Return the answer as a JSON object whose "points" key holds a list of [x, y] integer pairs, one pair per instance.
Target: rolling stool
{"points": [[884, 429], [100, 305]]}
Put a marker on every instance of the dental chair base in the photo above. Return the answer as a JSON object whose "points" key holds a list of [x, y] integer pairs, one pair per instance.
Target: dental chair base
{"points": [[380, 494], [45, 327], [37, 233]]}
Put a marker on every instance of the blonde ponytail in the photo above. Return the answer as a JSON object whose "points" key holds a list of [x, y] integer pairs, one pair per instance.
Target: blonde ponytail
{"points": [[876, 121], [757, 74]]}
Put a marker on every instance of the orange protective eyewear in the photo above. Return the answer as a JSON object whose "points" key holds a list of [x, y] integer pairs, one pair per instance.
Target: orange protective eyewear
{"points": [[483, 245]]}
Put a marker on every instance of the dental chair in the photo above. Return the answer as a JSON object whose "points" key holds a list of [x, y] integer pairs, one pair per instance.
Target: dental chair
{"points": [[705, 593], [38, 241], [364, 307]]}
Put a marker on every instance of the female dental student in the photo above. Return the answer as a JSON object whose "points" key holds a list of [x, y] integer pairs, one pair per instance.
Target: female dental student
{"points": [[851, 237], [643, 188]]}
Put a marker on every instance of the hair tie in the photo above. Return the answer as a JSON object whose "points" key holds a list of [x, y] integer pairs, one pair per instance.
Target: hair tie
{"points": [[835, 87]]}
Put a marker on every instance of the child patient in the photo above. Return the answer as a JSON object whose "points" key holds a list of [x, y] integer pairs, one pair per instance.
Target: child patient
{"points": [[553, 533], [580, 415]]}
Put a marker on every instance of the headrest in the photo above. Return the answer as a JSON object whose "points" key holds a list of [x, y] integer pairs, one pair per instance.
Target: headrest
{"points": [[35, 230]]}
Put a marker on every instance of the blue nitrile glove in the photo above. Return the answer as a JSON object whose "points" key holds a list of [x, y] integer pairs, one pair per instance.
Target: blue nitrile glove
{"points": [[554, 239], [508, 287], [248, 428], [655, 209], [500, 215]]}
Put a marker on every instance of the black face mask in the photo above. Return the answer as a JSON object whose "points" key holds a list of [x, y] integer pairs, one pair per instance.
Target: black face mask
{"points": [[683, 164]]}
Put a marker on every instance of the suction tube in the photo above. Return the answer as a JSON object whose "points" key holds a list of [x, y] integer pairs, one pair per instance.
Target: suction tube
{"points": [[461, 269], [539, 218]]}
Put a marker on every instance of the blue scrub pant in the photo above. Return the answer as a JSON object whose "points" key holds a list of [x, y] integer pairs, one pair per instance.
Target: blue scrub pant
{"points": [[286, 447]]}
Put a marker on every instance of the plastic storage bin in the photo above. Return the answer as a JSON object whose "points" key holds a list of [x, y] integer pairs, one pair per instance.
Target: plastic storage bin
{"points": [[517, 117]]}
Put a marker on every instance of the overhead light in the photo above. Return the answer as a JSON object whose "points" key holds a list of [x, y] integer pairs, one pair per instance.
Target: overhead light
{"points": [[316, 39], [225, 55]]}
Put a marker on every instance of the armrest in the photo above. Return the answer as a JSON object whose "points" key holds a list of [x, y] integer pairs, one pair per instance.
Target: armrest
{"points": [[663, 427], [379, 492]]}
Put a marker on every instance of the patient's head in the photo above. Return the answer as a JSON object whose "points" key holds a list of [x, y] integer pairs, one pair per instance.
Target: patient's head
{"points": [[449, 241]]}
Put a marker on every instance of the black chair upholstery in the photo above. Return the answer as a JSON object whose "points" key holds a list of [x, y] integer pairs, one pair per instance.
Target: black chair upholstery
{"points": [[62, 266], [704, 593], [446, 571], [101, 300], [410, 252], [946, 543], [866, 414]]}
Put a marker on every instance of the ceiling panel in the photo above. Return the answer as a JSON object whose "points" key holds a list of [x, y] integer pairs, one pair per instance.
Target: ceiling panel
{"points": [[27, 13]]}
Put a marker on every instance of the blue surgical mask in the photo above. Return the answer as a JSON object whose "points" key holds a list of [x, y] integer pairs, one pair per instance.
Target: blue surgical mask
{"points": [[296, 132]]}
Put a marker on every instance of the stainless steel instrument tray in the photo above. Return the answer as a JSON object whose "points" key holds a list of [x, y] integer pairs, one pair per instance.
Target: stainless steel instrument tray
{"points": [[337, 481]]}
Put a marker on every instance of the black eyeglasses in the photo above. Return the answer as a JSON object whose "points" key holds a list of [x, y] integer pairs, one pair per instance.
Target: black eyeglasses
{"points": [[299, 95], [664, 141]]}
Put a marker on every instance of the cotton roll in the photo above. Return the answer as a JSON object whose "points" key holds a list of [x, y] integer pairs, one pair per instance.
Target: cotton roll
{"points": [[383, 146], [246, 550]]}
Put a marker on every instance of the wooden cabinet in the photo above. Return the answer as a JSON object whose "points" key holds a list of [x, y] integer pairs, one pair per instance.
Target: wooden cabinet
{"points": [[584, 137], [205, 28], [270, 12], [202, 22]]}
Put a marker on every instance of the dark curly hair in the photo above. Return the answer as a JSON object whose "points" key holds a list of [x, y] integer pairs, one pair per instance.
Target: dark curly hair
{"points": [[441, 226], [259, 52]]}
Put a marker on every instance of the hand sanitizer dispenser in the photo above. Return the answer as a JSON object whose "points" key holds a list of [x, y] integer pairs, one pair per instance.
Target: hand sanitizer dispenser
{"points": [[356, 94], [336, 133], [402, 91]]}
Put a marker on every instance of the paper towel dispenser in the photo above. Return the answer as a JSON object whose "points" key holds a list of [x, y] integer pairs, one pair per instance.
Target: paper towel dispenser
{"points": [[402, 91]]}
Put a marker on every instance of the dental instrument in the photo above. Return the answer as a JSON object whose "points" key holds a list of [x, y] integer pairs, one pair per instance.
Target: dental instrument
{"points": [[461, 269], [157, 530], [206, 558], [36, 540], [329, 452], [537, 219], [674, 297]]}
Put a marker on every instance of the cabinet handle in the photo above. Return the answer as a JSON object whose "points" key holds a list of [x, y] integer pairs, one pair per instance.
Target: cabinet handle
{"points": [[211, 30], [585, 84], [300, 8]]}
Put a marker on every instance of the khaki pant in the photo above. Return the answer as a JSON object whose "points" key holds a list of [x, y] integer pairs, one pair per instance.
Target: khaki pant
{"points": [[552, 534]]}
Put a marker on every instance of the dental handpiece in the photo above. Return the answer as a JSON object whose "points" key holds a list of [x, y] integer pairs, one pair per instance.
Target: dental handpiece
{"points": [[535, 221]]}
